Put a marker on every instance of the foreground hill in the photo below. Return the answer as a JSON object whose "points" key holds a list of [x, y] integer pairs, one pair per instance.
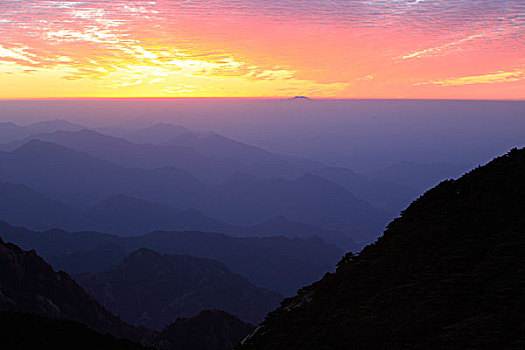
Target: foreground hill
{"points": [[29, 284], [29, 332], [447, 274], [152, 289], [274, 263], [209, 330]]}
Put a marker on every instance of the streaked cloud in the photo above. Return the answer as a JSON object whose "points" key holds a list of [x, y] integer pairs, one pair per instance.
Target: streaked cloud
{"points": [[16, 54], [441, 48], [491, 78], [352, 48]]}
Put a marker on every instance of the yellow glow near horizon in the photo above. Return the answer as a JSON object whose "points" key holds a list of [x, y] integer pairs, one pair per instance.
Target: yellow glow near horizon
{"points": [[65, 49]]}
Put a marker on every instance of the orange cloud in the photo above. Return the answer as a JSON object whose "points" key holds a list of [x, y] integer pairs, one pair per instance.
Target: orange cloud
{"points": [[382, 49], [492, 78]]}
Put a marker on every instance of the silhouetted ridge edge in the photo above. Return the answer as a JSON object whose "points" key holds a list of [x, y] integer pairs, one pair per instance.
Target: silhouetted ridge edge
{"points": [[30, 285], [448, 273]]}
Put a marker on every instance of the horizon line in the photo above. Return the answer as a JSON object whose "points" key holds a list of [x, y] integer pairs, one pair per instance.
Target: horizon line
{"points": [[260, 98]]}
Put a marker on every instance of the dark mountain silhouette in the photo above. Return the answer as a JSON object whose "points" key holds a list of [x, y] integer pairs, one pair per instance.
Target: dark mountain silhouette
{"points": [[30, 285], [209, 330], [81, 180], [29, 332], [447, 274], [274, 263], [151, 289]]}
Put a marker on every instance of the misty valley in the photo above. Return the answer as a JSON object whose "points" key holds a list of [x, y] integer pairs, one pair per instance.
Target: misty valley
{"points": [[154, 234]]}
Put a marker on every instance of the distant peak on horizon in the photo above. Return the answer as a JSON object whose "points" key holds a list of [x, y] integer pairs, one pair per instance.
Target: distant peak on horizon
{"points": [[295, 98]]}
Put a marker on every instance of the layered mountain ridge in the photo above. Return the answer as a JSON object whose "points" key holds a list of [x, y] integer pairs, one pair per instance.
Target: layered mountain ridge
{"points": [[275, 263], [130, 216], [81, 180]]}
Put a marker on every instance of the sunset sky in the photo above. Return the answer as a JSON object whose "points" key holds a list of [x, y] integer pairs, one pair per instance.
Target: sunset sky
{"points": [[263, 48]]}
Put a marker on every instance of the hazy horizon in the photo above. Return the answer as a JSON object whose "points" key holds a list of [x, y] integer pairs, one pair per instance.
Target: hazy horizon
{"points": [[359, 134]]}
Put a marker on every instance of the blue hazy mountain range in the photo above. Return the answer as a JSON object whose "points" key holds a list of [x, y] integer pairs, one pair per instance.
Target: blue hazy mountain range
{"points": [[129, 216], [275, 263], [219, 182]]}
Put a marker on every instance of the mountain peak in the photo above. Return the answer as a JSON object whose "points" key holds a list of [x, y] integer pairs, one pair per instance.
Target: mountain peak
{"points": [[143, 254], [210, 329], [299, 98], [37, 145]]}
